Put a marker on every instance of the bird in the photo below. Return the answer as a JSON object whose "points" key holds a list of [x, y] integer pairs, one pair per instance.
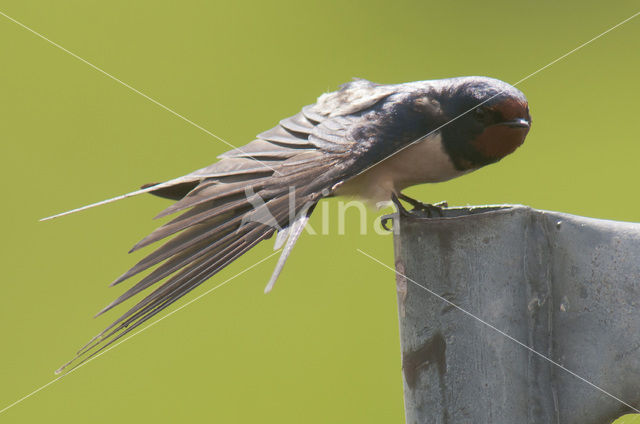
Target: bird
{"points": [[366, 140]]}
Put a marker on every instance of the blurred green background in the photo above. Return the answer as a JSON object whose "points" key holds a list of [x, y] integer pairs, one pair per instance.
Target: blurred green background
{"points": [[323, 347]]}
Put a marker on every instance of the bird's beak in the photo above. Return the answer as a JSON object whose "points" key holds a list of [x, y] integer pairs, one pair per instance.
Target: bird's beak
{"points": [[517, 123]]}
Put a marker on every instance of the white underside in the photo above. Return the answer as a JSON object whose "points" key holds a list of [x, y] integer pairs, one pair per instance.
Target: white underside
{"points": [[422, 162]]}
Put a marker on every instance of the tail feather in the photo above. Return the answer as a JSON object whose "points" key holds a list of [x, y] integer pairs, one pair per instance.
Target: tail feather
{"points": [[169, 267], [209, 191], [173, 192], [187, 275], [176, 181], [187, 239], [102, 341], [193, 256], [195, 216], [219, 222]]}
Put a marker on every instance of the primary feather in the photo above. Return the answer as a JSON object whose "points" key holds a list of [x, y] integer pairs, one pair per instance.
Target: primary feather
{"points": [[261, 188]]}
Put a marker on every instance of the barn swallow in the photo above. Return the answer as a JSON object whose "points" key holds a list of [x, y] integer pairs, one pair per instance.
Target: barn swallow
{"points": [[366, 140]]}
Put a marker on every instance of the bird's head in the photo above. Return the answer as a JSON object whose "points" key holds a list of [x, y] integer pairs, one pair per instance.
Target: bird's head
{"points": [[492, 120]]}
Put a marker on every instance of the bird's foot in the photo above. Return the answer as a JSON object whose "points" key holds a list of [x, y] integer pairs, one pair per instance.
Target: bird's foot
{"points": [[429, 209], [384, 221], [418, 206]]}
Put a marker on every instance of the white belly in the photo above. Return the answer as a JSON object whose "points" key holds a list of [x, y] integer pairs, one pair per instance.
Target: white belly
{"points": [[423, 162]]}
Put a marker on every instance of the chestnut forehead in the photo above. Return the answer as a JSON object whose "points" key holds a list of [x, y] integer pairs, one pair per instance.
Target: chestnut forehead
{"points": [[511, 108]]}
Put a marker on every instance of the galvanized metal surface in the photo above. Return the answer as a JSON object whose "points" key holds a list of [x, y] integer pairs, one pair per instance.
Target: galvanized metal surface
{"points": [[566, 286]]}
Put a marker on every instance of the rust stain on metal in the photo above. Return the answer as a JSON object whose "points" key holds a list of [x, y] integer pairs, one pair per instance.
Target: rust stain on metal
{"points": [[401, 287], [432, 352]]}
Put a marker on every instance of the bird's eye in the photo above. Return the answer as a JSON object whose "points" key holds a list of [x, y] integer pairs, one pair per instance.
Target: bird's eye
{"points": [[480, 113]]}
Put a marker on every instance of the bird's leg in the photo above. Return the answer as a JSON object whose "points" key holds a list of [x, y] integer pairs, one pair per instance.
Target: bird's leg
{"points": [[417, 206], [426, 207], [396, 201], [384, 220]]}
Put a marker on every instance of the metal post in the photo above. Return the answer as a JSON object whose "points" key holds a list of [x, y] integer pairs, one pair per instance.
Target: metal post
{"points": [[568, 287]]}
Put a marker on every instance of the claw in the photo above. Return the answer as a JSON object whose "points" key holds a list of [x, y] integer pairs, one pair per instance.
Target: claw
{"points": [[396, 201], [384, 221], [429, 209]]}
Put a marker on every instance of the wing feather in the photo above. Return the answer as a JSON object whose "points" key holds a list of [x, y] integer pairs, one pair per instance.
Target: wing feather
{"points": [[288, 138], [263, 149], [210, 191], [297, 123], [246, 196]]}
